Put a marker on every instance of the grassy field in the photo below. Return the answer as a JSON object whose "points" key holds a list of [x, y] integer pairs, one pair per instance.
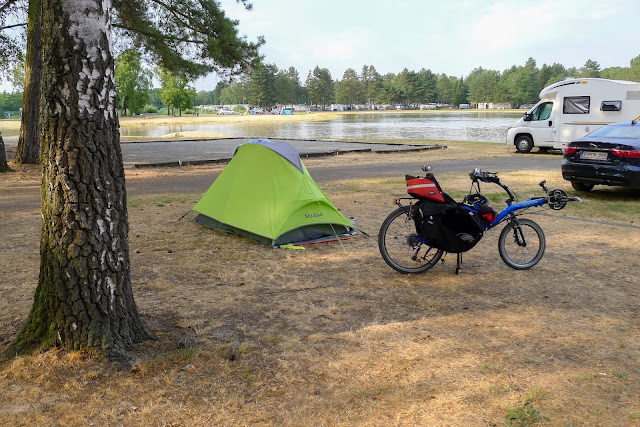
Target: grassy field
{"points": [[330, 335], [9, 127]]}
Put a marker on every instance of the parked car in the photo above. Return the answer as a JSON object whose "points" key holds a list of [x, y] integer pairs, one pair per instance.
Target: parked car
{"points": [[609, 155], [226, 112]]}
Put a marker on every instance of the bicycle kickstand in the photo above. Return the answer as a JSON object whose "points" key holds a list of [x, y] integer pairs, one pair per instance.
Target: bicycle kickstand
{"points": [[459, 262]]}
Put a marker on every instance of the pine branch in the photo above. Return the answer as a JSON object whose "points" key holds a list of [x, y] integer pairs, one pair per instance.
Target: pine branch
{"points": [[24, 24], [193, 37], [156, 35], [173, 11]]}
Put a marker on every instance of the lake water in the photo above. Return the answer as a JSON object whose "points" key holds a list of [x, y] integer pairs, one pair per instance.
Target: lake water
{"points": [[456, 126]]}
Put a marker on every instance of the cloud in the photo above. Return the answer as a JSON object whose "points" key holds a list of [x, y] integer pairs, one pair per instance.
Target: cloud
{"points": [[340, 46], [508, 25]]}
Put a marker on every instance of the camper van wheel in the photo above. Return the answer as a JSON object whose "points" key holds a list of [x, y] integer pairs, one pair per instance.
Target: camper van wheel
{"points": [[524, 144], [581, 186]]}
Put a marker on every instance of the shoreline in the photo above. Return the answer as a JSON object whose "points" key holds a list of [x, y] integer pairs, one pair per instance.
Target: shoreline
{"points": [[11, 127]]}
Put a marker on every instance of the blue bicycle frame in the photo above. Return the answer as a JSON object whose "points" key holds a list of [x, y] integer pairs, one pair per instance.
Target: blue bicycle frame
{"points": [[516, 207]]}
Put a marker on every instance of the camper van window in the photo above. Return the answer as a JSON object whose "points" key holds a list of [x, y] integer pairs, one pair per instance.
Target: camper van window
{"points": [[611, 106], [542, 111], [576, 105]]}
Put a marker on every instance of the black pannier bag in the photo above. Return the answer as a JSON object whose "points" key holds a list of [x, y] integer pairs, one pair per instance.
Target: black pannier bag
{"points": [[448, 226]]}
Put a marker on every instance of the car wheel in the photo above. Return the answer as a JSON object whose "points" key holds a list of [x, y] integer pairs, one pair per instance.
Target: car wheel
{"points": [[524, 144], [581, 186]]}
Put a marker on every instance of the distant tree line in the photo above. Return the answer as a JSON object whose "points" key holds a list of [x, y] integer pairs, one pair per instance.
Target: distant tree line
{"points": [[266, 85], [10, 101]]}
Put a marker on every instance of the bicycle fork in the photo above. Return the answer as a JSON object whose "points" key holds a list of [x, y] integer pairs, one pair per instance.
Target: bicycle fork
{"points": [[518, 234]]}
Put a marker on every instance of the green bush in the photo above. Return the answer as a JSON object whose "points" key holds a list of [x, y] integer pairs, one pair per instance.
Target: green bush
{"points": [[240, 109], [151, 109]]}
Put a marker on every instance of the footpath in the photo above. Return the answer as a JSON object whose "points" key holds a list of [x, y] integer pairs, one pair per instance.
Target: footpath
{"points": [[193, 152]]}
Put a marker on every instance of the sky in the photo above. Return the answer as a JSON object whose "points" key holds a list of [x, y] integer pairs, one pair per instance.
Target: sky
{"points": [[446, 36]]}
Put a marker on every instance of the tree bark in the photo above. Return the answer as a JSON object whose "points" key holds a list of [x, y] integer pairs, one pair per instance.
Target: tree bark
{"points": [[83, 299], [4, 167], [28, 151]]}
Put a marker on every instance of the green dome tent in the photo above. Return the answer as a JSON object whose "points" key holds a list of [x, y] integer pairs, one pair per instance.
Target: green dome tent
{"points": [[267, 195]]}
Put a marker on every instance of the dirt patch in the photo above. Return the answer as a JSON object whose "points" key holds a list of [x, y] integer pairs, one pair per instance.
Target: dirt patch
{"points": [[330, 335]]}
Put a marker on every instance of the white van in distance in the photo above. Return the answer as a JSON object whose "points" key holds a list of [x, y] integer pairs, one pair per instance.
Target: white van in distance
{"points": [[572, 108]]}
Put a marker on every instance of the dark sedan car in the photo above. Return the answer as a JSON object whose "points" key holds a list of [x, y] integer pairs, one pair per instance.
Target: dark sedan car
{"points": [[608, 156]]}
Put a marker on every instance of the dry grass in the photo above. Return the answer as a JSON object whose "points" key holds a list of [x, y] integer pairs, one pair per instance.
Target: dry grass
{"points": [[9, 127], [332, 336]]}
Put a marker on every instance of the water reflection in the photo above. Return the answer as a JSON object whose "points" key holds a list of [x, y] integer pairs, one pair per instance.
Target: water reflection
{"points": [[471, 126]]}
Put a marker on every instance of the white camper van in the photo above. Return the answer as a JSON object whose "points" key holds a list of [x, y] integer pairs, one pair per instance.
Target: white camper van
{"points": [[572, 108]]}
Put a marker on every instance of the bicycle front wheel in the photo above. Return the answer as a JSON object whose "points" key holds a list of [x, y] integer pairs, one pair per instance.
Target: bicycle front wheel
{"points": [[402, 248], [521, 244]]}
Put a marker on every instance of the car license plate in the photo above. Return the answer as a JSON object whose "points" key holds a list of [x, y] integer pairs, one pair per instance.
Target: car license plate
{"points": [[594, 155]]}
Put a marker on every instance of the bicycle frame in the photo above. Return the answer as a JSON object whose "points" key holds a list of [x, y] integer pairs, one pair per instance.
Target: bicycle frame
{"points": [[511, 209]]}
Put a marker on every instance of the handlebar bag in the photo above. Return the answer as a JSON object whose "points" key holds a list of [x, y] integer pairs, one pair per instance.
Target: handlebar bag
{"points": [[448, 226]]}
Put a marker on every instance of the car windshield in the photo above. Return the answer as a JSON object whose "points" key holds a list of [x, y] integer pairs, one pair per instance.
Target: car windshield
{"points": [[628, 131]]}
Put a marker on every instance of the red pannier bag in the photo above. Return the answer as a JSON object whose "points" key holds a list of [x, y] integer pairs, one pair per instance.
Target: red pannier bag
{"points": [[424, 188]]}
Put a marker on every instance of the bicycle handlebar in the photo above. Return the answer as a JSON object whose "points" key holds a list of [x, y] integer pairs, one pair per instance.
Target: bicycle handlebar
{"points": [[479, 175]]}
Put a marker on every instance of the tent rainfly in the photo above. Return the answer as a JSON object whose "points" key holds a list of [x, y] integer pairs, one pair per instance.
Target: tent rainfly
{"points": [[266, 194]]}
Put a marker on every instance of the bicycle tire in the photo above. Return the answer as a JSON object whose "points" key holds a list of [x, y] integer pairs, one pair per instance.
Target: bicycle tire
{"points": [[513, 252], [401, 247]]}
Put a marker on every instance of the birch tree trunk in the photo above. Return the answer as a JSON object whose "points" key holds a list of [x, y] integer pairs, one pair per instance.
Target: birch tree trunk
{"points": [[28, 151], [83, 299]]}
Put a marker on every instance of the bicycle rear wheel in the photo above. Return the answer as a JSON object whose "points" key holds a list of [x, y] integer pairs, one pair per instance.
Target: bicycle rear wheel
{"points": [[402, 248], [521, 244]]}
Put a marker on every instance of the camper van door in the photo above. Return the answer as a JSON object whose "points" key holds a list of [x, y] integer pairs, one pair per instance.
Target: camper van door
{"points": [[540, 122]]}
